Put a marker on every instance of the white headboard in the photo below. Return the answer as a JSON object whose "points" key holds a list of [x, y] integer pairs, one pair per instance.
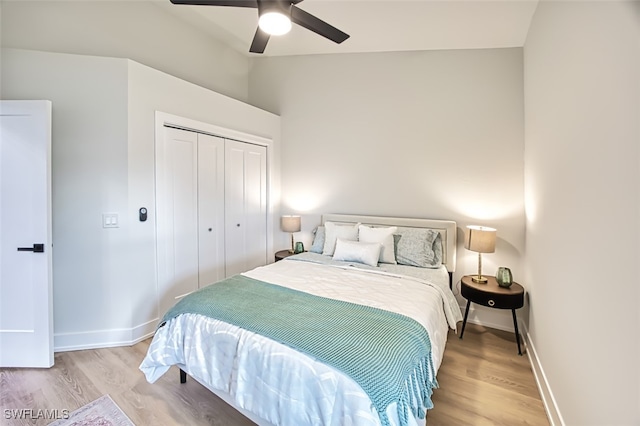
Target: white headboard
{"points": [[447, 229]]}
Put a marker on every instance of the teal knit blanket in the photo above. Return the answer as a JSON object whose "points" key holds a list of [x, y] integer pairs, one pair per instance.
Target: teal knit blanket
{"points": [[387, 354]]}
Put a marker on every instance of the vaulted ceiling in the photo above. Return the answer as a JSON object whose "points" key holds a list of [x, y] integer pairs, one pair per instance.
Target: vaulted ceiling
{"points": [[375, 25]]}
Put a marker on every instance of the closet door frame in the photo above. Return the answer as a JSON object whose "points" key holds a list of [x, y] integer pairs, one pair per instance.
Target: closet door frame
{"points": [[163, 119]]}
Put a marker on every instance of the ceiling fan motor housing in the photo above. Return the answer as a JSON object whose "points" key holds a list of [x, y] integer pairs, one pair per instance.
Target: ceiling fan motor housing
{"points": [[285, 11], [274, 17], [277, 6]]}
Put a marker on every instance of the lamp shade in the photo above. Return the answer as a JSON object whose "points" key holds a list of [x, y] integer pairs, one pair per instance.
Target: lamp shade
{"points": [[480, 239], [290, 223]]}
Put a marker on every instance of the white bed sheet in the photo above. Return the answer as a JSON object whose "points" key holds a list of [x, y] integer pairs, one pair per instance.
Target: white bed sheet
{"points": [[281, 385]]}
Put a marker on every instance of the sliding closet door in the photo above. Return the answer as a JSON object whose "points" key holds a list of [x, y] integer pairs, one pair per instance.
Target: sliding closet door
{"points": [[189, 213], [245, 206]]}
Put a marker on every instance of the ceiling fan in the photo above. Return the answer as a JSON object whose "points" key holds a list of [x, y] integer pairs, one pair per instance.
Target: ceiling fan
{"points": [[275, 18]]}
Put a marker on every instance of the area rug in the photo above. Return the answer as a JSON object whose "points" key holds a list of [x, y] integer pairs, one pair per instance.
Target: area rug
{"points": [[101, 412]]}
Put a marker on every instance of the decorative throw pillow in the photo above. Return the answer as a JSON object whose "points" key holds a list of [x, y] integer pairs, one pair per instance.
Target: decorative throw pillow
{"points": [[382, 235], [318, 240], [334, 231], [419, 247], [356, 251]]}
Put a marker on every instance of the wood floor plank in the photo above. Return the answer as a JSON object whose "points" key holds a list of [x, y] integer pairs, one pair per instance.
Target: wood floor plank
{"points": [[482, 381]]}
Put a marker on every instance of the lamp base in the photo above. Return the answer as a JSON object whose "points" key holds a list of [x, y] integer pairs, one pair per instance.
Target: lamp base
{"points": [[479, 279]]}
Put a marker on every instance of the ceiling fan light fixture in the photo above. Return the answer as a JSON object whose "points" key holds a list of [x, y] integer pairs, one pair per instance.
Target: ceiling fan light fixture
{"points": [[274, 23]]}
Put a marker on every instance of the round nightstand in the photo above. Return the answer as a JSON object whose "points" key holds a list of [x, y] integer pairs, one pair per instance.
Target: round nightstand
{"points": [[282, 254], [493, 296]]}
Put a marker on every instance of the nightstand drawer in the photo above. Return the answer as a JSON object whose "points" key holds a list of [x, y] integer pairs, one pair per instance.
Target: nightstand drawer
{"points": [[492, 295], [493, 300]]}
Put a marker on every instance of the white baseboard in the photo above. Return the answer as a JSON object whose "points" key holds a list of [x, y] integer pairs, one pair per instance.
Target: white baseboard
{"points": [[63, 342], [549, 402]]}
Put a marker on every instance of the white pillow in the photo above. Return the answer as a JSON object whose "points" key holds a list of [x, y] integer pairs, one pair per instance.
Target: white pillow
{"points": [[333, 231], [355, 251], [382, 235]]}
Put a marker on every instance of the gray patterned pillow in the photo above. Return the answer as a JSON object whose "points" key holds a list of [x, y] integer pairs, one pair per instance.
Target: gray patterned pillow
{"points": [[318, 240], [418, 247]]}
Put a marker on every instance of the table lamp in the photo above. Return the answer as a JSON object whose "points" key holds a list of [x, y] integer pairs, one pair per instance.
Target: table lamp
{"points": [[290, 224], [480, 239]]}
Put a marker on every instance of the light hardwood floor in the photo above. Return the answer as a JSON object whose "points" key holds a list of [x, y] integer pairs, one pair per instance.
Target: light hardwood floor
{"points": [[482, 381]]}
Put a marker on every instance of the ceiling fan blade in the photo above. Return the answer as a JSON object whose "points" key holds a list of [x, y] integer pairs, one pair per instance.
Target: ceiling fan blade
{"points": [[318, 26], [236, 3], [259, 42]]}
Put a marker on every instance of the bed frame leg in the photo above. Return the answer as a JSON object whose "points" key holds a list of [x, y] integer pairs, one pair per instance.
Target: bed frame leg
{"points": [[183, 376]]}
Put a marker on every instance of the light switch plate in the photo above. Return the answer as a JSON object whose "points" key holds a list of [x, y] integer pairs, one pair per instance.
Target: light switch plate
{"points": [[110, 220]]}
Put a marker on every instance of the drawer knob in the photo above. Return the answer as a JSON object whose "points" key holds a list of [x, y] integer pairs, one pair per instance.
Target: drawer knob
{"points": [[491, 302]]}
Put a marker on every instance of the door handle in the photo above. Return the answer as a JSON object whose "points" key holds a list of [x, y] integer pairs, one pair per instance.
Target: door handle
{"points": [[37, 248]]}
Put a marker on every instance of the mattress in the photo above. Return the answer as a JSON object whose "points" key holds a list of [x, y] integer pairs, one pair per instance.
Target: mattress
{"points": [[282, 386]]}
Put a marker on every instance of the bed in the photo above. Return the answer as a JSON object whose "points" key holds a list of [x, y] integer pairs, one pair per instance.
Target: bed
{"points": [[330, 336]]}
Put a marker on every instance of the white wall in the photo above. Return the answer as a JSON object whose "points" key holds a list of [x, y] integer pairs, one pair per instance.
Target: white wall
{"points": [[183, 99], [429, 134], [141, 30], [420, 134], [416, 100], [582, 187], [89, 177], [103, 161]]}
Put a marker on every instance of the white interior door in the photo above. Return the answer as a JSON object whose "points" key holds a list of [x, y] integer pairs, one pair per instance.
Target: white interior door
{"points": [[176, 215], [211, 257], [245, 206], [211, 210], [26, 300], [189, 213]]}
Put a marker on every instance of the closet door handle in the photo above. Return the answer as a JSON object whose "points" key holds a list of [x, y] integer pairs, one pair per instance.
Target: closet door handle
{"points": [[238, 225]]}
